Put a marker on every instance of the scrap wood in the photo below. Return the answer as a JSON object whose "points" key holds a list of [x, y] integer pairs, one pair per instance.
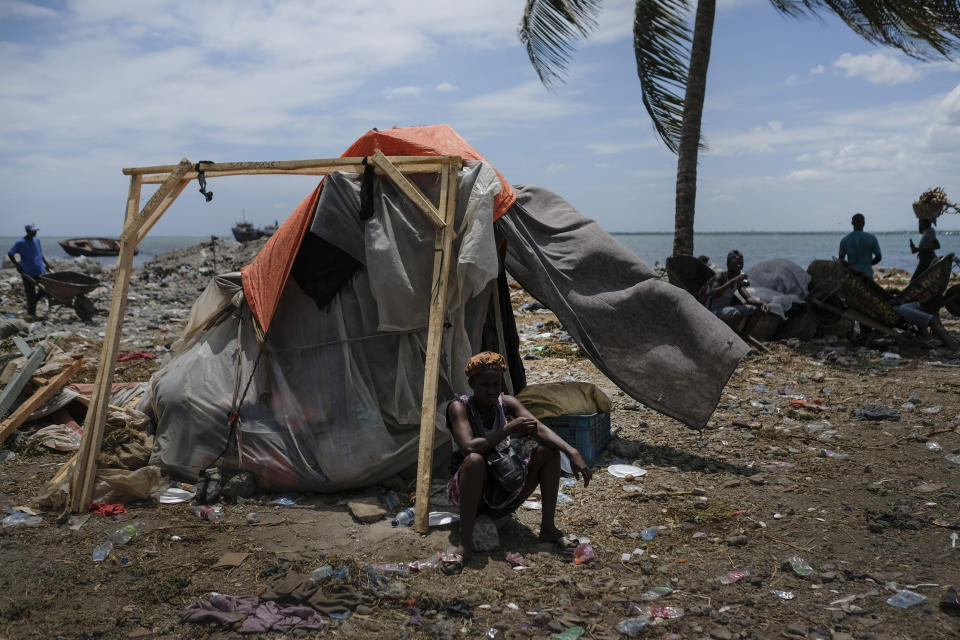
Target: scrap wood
{"points": [[12, 390], [39, 397]]}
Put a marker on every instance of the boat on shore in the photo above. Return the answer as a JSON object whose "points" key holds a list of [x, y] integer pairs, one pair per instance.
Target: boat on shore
{"points": [[244, 231], [92, 247]]}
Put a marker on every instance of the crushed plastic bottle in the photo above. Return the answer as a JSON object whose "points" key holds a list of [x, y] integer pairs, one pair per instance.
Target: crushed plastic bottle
{"points": [[656, 592], [905, 599], [343, 573], [649, 533], [125, 534], [433, 562], [403, 519], [632, 626], [213, 514], [732, 576], [783, 595], [933, 446], [398, 568], [20, 518], [669, 613], [800, 566], [583, 554], [101, 551], [569, 634], [321, 573]]}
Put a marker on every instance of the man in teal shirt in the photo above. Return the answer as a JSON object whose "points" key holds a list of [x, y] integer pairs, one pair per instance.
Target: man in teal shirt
{"points": [[860, 249]]}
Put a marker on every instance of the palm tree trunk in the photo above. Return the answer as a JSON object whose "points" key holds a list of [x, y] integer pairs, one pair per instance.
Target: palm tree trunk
{"points": [[690, 132]]}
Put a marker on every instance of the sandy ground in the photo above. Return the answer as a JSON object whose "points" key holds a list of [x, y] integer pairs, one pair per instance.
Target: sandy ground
{"points": [[863, 502]]}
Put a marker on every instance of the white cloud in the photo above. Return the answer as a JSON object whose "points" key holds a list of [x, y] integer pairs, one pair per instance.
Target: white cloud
{"points": [[402, 92], [445, 87], [877, 68], [791, 79], [817, 70], [556, 167], [15, 9], [611, 148]]}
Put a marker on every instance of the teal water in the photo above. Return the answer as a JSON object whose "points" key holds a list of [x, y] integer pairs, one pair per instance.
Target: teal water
{"points": [[756, 247]]}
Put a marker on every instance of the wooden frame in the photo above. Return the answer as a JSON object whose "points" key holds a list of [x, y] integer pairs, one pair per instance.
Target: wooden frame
{"points": [[173, 179]]}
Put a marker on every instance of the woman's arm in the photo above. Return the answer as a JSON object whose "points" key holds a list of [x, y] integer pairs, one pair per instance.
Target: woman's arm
{"points": [[468, 442], [547, 437]]}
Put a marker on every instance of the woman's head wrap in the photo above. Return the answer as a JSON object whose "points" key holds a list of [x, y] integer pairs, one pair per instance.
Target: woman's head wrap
{"points": [[483, 361]]}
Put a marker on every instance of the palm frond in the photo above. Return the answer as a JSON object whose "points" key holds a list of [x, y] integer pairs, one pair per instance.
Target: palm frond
{"points": [[549, 30], [661, 43], [922, 29]]}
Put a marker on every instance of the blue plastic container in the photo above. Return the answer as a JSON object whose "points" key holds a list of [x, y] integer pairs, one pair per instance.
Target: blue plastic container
{"points": [[589, 434]]}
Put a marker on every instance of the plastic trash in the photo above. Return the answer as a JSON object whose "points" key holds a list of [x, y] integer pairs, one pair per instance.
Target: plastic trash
{"points": [[656, 592], [649, 533], [905, 599], [632, 626], [125, 534], [6, 454], [569, 634], [669, 613], [213, 514], [954, 458], [398, 568], [403, 519], [253, 517], [800, 566], [563, 498], [391, 501], [101, 551], [343, 573], [286, 501], [321, 573], [933, 446], [732, 576], [783, 595], [515, 559], [440, 518], [433, 562], [20, 518], [583, 553]]}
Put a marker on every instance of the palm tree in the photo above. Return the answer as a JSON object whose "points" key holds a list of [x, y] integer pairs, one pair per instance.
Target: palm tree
{"points": [[672, 59]]}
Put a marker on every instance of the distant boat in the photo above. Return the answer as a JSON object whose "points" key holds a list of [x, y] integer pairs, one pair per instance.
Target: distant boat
{"points": [[92, 246], [244, 231]]}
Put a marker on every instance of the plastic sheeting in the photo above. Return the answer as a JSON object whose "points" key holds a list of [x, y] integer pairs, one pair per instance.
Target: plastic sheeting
{"points": [[780, 283], [334, 394]]}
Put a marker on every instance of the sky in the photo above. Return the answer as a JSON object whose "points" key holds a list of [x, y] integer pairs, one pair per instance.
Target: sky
{"points": [[805, 122]]}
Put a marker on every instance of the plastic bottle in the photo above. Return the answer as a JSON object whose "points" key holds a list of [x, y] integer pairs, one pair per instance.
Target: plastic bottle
{"points": [[125, 534], [732, 576], [213, 514], [800, 566], [656, 592], [343, 573], [101, 551], [321, 573], [403, 519], [583, 554], [570, 634], [649, 533], [905, 599], [632, 626], [19, 517], [666, 612]]}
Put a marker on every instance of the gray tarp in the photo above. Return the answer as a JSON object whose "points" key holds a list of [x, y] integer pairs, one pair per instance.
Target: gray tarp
{"points": [[654, 340]]}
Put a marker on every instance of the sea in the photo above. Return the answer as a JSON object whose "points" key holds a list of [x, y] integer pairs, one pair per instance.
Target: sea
{"points": [[652, 248]]}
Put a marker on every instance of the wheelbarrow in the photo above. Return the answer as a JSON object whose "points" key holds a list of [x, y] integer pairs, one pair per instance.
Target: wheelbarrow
{"points": [[68, 288]]}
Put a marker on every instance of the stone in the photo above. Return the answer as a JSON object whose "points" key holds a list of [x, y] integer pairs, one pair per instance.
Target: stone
{"points": [[757, 478], [363, 610], [542, 618], [737, 540], [797, 629], [730, 484], [367, 510], [721, 633], [828, 576]]}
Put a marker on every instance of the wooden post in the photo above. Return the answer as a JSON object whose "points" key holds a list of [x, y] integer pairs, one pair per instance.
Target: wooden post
{"points": [[443, 246], [85, 470], [409, 189]]}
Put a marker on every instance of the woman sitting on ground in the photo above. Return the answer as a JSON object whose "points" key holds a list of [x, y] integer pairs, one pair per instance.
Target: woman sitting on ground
{"points": [[483, 425]]}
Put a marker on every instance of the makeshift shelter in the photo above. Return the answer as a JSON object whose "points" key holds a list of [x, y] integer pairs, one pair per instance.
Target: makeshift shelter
{"points": [[324, 369]]}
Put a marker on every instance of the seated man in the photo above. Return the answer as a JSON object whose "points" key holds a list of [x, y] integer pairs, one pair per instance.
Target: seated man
{"points": [[927, 318], [482, 426], [726, 295]]}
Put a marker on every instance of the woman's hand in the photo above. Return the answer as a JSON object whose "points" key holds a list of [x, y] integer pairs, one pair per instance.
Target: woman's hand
{"points": [[521, 427], [579, 467]]}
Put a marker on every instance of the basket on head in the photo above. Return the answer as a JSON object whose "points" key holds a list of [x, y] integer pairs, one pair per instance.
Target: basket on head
{"points": [[931, 204]]}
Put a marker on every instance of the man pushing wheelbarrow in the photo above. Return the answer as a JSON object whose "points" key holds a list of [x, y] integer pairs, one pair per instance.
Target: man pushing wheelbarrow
{"points": [[65, 287]]}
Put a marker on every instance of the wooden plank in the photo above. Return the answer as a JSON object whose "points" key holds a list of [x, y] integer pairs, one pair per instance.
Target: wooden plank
{"points": [[850, 314], [432, 167], [160, 210], [12, 391], [170, 183], [22, 345], [81, 485], [39, 397], [285, 165], [442, 260], [411, 190]]}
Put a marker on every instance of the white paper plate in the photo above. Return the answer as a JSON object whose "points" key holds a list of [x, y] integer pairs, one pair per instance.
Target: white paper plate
{"points": [[172, 495], [624, 470]]}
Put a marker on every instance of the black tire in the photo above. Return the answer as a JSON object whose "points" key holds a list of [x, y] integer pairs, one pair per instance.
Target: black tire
{"points": [[84, 308]]}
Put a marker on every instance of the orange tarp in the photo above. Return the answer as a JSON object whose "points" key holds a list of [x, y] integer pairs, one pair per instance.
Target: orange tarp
{"points": [[265, 277]]}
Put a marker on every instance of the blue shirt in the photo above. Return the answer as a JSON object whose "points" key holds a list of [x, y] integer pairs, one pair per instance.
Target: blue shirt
{"points": [[859, 247], [31, 256]]}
